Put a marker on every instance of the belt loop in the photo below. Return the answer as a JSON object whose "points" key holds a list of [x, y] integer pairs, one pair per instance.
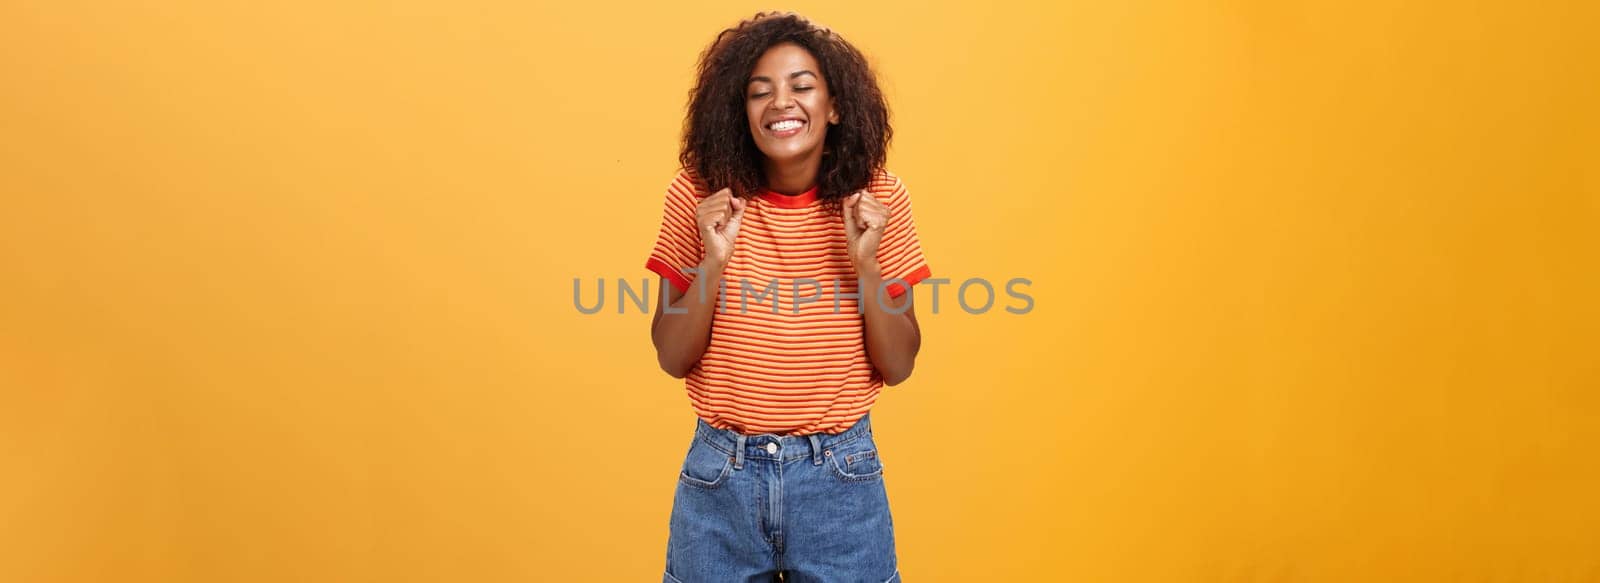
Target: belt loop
{"points": [[816, 449], [738, 452]]}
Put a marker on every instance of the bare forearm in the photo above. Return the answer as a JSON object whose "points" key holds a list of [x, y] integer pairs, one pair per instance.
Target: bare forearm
{"points": [[893, 339], [681, 337]]}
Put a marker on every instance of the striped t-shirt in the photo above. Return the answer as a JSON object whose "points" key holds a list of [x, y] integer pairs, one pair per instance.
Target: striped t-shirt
{"points": [[803, 369]]}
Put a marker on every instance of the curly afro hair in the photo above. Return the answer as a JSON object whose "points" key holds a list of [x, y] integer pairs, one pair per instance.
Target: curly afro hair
{"points": [[716, 136]]}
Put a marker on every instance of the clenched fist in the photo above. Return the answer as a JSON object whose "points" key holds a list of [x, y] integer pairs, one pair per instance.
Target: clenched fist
{"points": [[719, 216], [864, 220]]}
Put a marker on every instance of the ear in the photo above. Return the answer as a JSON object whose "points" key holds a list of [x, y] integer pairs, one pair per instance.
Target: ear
{"points": [[833, 112]]}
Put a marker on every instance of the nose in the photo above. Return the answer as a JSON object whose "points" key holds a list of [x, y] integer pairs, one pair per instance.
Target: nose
{"points": [[782, 98]]}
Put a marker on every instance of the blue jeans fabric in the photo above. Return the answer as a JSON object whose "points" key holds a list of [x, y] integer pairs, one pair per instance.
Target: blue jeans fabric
{"points": [[812, 507]]}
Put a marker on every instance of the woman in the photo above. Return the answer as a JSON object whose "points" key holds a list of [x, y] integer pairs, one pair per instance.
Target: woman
{"points": [[784, 206]]}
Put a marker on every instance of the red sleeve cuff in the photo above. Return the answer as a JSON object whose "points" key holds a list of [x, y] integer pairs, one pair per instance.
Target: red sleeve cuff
{"points": [[896, 290], [672, 274]]}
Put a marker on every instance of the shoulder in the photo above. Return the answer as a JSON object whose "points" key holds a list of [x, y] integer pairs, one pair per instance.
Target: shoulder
{"points": [[686, 184], [887, 186]]}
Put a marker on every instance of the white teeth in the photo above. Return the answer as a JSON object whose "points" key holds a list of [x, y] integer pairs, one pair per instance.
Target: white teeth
{"points": [[786, 125]]}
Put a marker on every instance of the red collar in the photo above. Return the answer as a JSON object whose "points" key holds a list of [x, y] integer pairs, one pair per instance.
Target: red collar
{"points": [[788, 201]]}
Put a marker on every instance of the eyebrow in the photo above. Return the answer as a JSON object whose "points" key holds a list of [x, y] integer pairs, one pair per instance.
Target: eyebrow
{"points": [[794, 75]]}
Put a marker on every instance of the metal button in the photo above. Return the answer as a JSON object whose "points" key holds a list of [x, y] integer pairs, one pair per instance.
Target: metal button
{"points": [[772, 448]]}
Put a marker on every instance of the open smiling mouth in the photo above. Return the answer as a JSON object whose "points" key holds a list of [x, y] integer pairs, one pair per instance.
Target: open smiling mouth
{"points": [[786, 128]]}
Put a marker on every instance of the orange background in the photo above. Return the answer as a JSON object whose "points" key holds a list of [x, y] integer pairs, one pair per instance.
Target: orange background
{"points": [[285, 289]]}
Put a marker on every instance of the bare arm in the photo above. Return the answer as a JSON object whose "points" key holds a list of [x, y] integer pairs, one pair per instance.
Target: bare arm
{"points": [[893, 339], [681, 338]]}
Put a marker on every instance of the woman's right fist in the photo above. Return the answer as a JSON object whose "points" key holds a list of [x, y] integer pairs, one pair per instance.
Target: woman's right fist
{"points": [[719, 216]]}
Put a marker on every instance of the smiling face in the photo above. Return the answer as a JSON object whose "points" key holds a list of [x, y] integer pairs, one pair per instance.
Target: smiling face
{"points": [[789, 107]]}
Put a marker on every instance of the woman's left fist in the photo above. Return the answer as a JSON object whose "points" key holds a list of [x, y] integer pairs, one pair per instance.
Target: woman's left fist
{"points": [[864, 220]]}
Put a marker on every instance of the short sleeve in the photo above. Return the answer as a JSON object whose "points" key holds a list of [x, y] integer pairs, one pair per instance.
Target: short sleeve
{"points": [[900, 252], [678, 243]]}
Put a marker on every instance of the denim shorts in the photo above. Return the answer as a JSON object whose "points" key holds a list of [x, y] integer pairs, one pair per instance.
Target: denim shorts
{"points": [[811, 507]]}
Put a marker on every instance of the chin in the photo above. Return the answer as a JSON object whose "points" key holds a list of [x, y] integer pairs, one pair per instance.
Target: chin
{"points": [[786, 154]]}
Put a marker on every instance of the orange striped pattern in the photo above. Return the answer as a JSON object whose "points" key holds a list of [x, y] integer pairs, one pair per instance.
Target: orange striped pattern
{"points": [[803, 369]]}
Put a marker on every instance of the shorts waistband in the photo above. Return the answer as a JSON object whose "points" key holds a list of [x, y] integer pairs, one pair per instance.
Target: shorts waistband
{"points": [[784, 448]]}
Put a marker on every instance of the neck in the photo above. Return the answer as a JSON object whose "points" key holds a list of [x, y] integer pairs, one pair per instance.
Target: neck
{"points": [[794, 177]]}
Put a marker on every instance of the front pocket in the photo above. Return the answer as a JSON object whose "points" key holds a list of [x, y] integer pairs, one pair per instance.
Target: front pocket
{"points": [[705, 466]]}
